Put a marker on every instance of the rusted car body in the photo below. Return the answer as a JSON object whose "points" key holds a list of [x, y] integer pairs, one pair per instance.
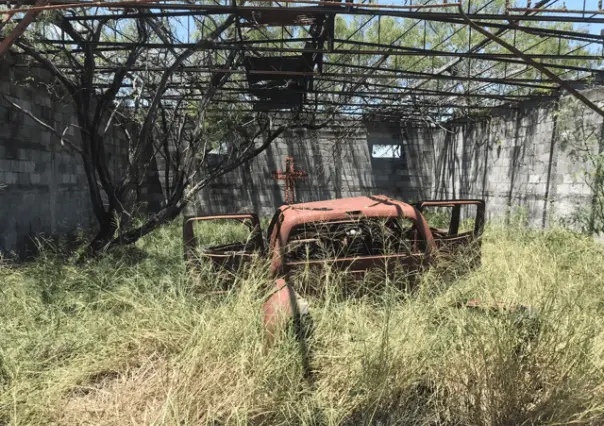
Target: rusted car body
{"points": [[354, 235]]}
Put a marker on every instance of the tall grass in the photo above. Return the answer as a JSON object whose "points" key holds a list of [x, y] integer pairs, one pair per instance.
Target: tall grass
{"points": [[132, 339]]}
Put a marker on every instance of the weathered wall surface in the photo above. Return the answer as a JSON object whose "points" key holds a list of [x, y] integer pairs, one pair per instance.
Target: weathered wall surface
{"points": [[532, 157], [516, 158], [521, 158], [45, 189], [338, 161]]}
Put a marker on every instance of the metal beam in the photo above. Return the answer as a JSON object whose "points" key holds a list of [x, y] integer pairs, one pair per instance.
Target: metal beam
{"points": [[29, 17], [534, 64]]}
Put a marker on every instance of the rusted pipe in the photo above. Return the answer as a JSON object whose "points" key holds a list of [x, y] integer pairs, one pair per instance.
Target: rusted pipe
{"points": [[373, 5], [540, 10], [84, 5]]}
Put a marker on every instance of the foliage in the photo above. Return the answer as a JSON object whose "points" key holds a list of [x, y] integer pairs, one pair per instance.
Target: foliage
{"points": [[132, 339], [580, 135], [144, 100], [412, 33]]}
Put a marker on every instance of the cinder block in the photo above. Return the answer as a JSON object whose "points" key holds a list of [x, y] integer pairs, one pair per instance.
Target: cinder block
{"points": [[45, 138], [35, 178], [27, 167], [22, 154], [23, 179]]}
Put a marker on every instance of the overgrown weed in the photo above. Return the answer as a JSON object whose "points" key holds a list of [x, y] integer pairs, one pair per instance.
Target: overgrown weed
{"points": [[131, 338]]}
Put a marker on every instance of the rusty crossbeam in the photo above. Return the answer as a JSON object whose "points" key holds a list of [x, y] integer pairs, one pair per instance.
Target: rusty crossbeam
{"points": [[554, 10], [339, 8], [345, 85], [29, 17], [501, 57], [80, 5], [538, 66], [535, 83], [139, 3]]}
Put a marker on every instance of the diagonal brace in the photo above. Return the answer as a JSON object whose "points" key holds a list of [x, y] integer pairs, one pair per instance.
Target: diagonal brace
{"points": [[565, 85]]}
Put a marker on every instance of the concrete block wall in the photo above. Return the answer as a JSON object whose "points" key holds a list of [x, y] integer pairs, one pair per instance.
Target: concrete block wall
{"points": [[514, 157], [44, 188], [517, 158], [338, 161]]}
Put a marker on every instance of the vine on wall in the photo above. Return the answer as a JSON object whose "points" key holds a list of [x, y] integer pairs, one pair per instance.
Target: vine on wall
{"points": [[581, 135]]}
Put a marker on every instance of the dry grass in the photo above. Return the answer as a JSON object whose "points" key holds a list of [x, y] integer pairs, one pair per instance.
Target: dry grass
{"points": [[130, 339]]}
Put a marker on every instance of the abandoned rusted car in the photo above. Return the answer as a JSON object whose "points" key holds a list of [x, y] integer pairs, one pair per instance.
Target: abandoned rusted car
{"points": [[355, 235]]}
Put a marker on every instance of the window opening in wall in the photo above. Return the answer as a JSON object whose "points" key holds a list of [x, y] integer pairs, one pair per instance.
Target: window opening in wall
{"points": [[221, 149], [218, 154], [386, 151]]}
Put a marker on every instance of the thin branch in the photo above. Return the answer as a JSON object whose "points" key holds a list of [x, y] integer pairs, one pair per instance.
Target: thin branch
{"points": [[49, 66], [61, 136], [110, 119]]}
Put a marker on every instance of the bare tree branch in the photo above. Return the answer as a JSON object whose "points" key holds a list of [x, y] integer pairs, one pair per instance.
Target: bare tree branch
{"points": [[61, 136]]}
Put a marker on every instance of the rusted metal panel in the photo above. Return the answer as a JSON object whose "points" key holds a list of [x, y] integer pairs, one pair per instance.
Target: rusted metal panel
{"points": [[279, 91], [301, 224], [419, 241], [452, 243], [340, 209], [283, 304]]}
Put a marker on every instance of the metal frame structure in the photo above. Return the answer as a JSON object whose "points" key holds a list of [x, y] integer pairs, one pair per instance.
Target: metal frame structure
{"points": [[293, 59]]}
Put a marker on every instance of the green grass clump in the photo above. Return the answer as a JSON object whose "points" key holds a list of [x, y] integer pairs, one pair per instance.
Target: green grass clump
{"points": [[132, 339]]}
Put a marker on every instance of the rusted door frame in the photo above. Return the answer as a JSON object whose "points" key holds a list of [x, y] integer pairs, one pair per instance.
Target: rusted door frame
{"points": [[190, 241], [456, 213]]}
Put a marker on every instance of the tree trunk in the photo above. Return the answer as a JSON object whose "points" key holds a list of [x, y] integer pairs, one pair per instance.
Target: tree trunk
{"points": [[103, 239]]}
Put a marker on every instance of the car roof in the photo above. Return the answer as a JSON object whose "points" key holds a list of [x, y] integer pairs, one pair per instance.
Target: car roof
{"points": [[372, 205]]}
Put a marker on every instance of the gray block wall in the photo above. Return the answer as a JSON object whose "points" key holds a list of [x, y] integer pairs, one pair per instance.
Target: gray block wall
{"points": [[523, 158], [44, 189], [520, 158], [338, 161]]}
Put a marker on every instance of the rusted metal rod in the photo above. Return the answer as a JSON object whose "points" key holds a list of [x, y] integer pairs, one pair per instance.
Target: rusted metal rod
{"points": [[540, 67], [390, 51], [557, 10], [8, 41], [138, 3], [360, 9], [83, 5], [373, 5]]}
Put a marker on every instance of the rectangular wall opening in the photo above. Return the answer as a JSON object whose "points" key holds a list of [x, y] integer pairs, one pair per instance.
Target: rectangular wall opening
{"points": [[386, 151]]}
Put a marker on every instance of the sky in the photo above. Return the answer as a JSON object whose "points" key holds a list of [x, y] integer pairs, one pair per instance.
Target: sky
{"points": [[590, 5], [580, 5]]}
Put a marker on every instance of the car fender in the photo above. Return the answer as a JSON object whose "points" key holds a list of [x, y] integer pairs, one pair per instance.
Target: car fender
{"points": [[281, 306]]}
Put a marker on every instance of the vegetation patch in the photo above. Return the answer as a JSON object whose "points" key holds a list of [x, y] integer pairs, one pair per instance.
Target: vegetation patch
{"points": [[131, 338]]}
